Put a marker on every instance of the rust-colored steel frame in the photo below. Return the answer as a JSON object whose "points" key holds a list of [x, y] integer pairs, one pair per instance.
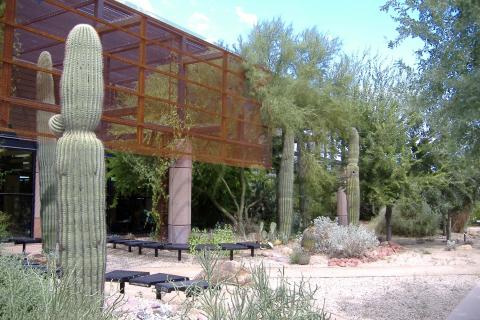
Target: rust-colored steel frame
{"points": [[125, 65]]}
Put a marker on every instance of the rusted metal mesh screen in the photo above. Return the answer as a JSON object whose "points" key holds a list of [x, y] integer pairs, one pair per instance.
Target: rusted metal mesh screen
{"points": [[155, 76]]}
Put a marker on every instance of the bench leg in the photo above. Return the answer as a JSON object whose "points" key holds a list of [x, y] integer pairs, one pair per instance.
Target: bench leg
{"points": [[159, 295], [24, 247], [231, 255], [252, 252], [139, 250], [179, 255], [156, 252], [114, 246], [122, 287], [129, 249]]}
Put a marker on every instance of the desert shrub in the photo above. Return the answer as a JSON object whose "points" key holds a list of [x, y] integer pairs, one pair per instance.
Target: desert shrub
{"points": [[299, 256], [27, 294], [262, 299], [341, 241], [410, 219], [220, 234], [4, 223]]}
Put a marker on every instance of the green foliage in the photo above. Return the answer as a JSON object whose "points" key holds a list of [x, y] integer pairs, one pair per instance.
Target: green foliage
{"points": [[132, 173], [220, 234], [411, 219], [242, 195], [4, 225], [299, 256], [476, 212], [448, 64], [28, 295], [262, 299]]}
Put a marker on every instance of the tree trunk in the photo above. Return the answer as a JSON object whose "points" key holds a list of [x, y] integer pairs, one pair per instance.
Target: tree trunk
{"points": [[285, 186], [388, 222], [449, 226]]}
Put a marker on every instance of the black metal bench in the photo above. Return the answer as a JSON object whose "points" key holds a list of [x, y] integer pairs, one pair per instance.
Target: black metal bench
{"points": [[178, 247], [232, 247], [189, 286], [251, 245], [24, 241], [154, 279], [137, 243], [154, 245], [122, 276], [115, 241]]}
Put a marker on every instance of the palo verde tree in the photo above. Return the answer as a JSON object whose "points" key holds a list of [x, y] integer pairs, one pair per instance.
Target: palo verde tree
{"points": [[292, 68]]}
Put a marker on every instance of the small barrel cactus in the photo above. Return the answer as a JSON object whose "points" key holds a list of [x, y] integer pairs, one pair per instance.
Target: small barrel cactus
{"points": [[80, 161], [46, 156], [353, 181], [308, 241]]}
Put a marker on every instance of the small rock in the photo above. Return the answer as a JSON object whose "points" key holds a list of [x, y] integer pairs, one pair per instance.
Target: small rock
{"points": [[286, 251], [464, 247], [277, 242]]}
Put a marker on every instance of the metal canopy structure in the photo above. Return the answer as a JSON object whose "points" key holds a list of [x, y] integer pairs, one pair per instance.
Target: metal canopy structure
{"points": [[155, 75]]}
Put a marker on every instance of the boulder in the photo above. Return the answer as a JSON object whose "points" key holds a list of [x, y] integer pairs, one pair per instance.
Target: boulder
{"points": [[464, 247]]}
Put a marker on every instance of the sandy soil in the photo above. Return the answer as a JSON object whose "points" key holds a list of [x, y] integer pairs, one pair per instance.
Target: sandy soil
{"points": [[424, 281]]}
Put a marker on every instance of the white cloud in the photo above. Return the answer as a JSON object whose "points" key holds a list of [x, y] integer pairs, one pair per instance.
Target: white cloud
{"points": [[199, 23], [248, 18], [142, 5]]}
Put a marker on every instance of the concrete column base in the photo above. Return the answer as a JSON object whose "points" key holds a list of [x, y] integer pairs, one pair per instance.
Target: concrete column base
{"points": [[180, 201]]}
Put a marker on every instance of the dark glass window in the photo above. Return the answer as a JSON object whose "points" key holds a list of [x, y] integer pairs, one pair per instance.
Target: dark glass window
{"points": [[16, 188]]}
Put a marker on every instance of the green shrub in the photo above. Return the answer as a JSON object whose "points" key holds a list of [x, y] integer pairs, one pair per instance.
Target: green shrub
{"points": [[30, 295], [262, 299], [410, 219], [299, 256], [4, 224], [221, 234]]}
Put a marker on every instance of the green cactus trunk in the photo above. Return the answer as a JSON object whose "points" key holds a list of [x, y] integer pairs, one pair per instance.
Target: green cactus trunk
{"points": [[80, 162], [353, 181], [46, 156], [285, 186]]}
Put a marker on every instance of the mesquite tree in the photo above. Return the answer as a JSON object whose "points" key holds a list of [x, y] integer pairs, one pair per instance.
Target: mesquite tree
{"points": [[80, 162], [46, 156]]}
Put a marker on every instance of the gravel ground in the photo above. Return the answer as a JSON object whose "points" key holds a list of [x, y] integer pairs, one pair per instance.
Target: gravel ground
{"points": [[393, 298], [424, 282]]}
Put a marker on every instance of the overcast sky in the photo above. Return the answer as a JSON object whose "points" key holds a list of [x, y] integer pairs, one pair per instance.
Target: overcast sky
{"points": [[359, 24]]}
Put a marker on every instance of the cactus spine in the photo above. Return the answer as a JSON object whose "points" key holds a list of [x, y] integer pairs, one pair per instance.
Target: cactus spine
{"points": [[80, 161], [46, 156], [353, 182], [285, 186]]}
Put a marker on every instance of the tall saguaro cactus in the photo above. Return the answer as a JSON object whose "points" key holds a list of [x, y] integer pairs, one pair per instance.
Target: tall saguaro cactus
{"points": [[285, 186], [353, 181], [80, 161], [46, 156]]}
